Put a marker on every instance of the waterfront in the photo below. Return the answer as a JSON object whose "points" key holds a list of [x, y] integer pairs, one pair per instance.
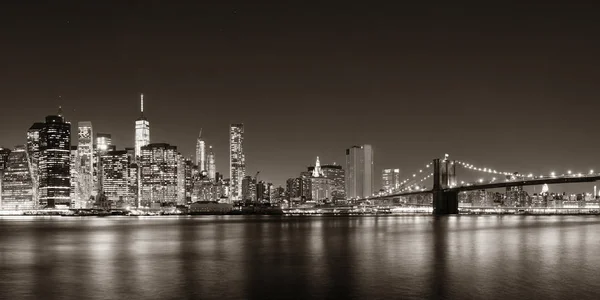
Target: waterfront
{"points": [[275, 257]]}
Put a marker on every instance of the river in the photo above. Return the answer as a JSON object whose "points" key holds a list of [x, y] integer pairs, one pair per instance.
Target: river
{"points": [[276, 257]]}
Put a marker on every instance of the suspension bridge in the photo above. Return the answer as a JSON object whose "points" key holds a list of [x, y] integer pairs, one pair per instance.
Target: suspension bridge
{"points": [[445, 187]]}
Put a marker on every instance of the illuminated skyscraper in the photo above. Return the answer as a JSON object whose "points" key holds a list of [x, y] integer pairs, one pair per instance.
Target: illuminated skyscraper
{"points": [[359, 171], [158, 174], [337, 176], [4, 153], [17, 184], [103, 145], [237, 161], [142, 130], [103, 141], [54, 164], [74, 167], [210, 160], [33, 152], [84, 164], [116, 178], [201, 153], [390, 180]]}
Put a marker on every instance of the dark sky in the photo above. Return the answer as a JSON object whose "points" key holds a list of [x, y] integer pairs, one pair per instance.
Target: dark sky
{"points": [[508, 86]]}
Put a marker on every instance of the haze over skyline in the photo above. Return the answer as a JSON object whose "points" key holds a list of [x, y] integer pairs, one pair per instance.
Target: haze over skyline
{"points": [[512, 87]]}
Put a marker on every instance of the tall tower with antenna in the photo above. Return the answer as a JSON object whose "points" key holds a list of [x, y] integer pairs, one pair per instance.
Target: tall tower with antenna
{"points": [[142, 130]]}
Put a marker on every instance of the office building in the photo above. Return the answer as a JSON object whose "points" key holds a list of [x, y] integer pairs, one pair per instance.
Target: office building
{"points": [[158, 174], [201, 153], [33, 153], [390, 180], [210, 160], [142, 130], [84, 166], [55, 162], [74, 165], [237, 161], [336, 174], [4, 153], [249, 189], [16, 182], [117, 178], [359, 172]]}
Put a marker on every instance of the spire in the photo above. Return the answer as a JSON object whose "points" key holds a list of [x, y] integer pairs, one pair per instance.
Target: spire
{"points": [[200, 134], [317, 170], [60, 111], [142, 103]]}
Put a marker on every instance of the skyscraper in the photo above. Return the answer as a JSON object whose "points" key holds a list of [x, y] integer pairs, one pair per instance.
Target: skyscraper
{"points": [[201, 153], [54, 164], [390, 180], [84, 164], [237, 161], [17, 183], [158, 174], [74, 179], [4, 153], [116, 178], [103, 146], [359, 171], [33, 153], [142, 130], [210, 160], [336, 174]]}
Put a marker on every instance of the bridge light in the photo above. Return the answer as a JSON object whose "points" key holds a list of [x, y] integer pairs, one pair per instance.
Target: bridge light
{"points": [[480, 180], [569, 172], [420, 171], [552, 174], [591, 171], [414, 175], [530, 175]]}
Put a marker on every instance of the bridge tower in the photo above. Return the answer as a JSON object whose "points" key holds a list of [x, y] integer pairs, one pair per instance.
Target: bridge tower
{"points": [[445, 202]]}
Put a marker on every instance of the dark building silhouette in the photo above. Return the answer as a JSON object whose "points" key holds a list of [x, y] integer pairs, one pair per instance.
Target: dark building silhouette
{"points": [[54, 162]]}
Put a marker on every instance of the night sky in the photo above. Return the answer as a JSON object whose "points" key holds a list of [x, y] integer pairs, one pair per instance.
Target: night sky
{"points": [[512, 87]]}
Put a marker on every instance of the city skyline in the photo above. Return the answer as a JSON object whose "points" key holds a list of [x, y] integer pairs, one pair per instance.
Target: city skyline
{"points": [[424, 84]]}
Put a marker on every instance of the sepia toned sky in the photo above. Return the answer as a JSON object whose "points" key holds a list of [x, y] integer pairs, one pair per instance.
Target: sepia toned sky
{"points": [[509, 86]]}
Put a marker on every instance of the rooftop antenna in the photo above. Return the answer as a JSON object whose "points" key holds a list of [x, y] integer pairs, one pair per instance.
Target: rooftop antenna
{"points": [[200, 134], [142, 103]]}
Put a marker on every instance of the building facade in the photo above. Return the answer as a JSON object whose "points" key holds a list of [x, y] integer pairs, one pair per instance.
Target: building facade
{"points": [[390, 180], [116, 178], [16, 182], [210, 160], [84, 164], [55, 162], [158, 174], [201, 153], [359, 172], [237, 160]]}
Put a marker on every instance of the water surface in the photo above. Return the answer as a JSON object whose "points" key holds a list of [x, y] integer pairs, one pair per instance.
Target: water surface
{"points": [[253, 257]]}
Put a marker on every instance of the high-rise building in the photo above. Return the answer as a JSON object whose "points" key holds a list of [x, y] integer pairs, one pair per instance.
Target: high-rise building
{"points": [[54, 162], [210, 160], [116, 178], [390, 180], [320, 185], [201, 153], [103, 146], [4, 153], [188, 166], [133, 179], [158, 174], [359, 172], [74, 166], [84, 164], [293, 188], [142, 130], [181, 193], [17, 183], [249, 189], [33, 152], [103, 141], [336, 173], [237, 160]]}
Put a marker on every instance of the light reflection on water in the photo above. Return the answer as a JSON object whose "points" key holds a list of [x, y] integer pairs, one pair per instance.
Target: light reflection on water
{"points": [[237, 257]]}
